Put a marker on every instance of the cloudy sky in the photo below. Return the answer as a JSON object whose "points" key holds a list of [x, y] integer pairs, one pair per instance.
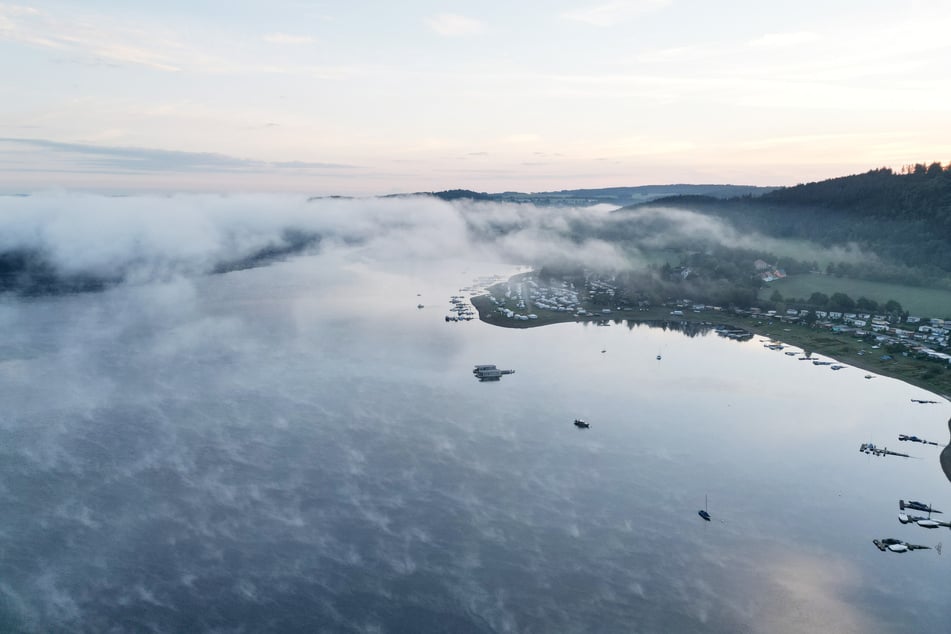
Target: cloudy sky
{"points": [[377, 97]]}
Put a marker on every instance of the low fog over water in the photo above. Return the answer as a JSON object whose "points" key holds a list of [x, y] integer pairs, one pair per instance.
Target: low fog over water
{"points": [[156, 238], [295, 446]]}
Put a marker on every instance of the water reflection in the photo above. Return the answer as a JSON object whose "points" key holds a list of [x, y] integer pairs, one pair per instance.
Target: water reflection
{"points": [[302, 449], [690, 329]]}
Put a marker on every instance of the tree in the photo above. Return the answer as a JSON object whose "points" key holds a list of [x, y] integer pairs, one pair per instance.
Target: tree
{"points": [[892, 307], [863, 303], [841, 301], [819, 299]]}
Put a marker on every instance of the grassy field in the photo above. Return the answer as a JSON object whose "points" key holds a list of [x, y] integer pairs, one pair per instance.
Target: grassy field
{"points": [[924, 302]]}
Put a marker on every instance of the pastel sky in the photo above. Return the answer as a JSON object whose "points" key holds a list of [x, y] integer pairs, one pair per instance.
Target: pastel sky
{"points": [[370, 97]]}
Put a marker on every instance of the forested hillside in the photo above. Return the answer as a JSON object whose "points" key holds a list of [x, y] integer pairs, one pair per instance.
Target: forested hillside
{"points": [[619, 196], [904, 218]]}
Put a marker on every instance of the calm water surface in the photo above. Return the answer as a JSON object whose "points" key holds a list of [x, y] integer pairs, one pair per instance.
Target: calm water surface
{"points": [[299, 448]]}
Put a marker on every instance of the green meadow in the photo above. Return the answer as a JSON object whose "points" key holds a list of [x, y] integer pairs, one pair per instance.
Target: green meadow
{"points": [[924, 302]]}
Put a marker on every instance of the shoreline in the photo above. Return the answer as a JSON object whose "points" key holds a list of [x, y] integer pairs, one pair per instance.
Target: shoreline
{"points": [[841, 347]]}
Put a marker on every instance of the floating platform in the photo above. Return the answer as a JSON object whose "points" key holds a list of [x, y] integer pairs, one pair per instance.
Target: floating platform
{"points": [[490, 372]]}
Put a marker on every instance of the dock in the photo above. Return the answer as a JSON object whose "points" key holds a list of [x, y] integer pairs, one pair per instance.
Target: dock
{"points": [[489, 372]]}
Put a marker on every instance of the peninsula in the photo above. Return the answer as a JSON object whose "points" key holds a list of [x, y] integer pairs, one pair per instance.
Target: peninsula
{"points": [[856, 267], [902, 347]]}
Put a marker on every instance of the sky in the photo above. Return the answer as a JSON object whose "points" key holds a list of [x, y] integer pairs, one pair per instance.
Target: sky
{"points": [[366, 98]]}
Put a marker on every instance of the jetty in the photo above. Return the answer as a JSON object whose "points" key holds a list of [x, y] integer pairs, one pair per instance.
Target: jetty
{"points": [[870, 449]]}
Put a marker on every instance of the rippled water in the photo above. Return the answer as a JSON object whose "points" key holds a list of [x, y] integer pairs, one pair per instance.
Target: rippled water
{"points": [[299, 448]]}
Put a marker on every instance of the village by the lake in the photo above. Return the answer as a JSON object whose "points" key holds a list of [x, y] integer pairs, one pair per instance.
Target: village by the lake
{"points": [[913, 348]]}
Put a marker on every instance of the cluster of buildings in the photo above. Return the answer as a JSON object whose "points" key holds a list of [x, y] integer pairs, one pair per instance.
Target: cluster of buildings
{"points": [[767, 272], [562, 297], [927, 336]]}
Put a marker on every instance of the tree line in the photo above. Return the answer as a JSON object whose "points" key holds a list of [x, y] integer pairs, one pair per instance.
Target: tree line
{"points": [[904, 218]]}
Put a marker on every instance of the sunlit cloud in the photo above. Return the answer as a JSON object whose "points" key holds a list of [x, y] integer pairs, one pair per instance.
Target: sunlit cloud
{"points": [[675, 53], [521, 138], [287, 38], [453, 25], [780, 40], [124, 159], [226, 76], [84, 36], [802, 139], [614, 13], [96, 39]]}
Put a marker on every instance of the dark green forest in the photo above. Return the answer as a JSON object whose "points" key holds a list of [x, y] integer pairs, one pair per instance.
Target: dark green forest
{"points": [[880, 226], [620, 196], [904, 218]]}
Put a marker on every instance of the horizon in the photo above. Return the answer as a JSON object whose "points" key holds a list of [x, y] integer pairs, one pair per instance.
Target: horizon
{"points": [[377, 99], [118, 191]]}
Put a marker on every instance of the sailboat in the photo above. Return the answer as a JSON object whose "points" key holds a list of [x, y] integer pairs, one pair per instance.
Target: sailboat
{"points": [[703, 512]]}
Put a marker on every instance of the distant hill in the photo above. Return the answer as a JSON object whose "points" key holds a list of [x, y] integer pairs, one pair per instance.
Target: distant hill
{"points": [[904, 217], [620, 196]]}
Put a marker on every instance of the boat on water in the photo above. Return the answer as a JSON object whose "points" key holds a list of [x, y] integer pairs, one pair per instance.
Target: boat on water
{"points": [[907, 438], [905, 518], [580, 423], [924, 522], [891, 544], [703, 512], [871, 449], [488, 372], [915, 505]]}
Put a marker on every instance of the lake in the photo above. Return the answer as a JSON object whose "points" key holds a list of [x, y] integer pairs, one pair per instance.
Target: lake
{"points": [[299, 448]]}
